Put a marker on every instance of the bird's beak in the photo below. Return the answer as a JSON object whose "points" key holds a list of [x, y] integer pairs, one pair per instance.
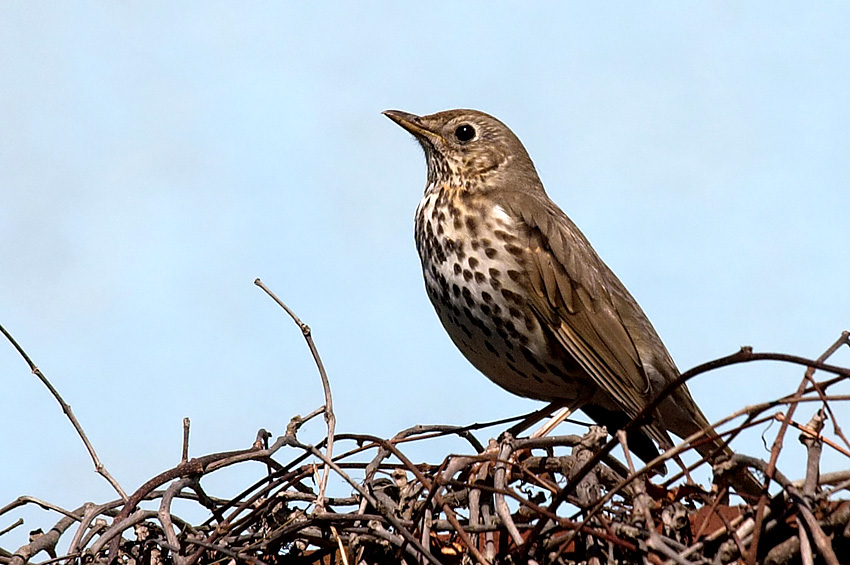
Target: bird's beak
{"points": [[412, 123]]}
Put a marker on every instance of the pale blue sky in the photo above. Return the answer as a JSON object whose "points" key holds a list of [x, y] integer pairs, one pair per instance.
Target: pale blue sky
{"points": [[156, 158]]}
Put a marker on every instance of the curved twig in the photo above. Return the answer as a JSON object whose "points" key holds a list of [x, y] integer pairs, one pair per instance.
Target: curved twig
{"points": [[66, 408], [330, 418]]}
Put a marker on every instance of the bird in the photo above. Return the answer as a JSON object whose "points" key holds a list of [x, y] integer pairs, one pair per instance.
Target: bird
{"points": [[524, 296]]}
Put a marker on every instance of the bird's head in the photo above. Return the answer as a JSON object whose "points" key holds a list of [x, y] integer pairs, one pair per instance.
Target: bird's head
{"points": [[470, 150]]}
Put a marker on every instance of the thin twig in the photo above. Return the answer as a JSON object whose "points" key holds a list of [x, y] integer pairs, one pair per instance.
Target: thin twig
{"points": [[330, 418], [164, 514], [66, 408], [12, 526], [393, 516], [500, 484], [44, 542], [185, 454], [745, 355], [752, 557]]}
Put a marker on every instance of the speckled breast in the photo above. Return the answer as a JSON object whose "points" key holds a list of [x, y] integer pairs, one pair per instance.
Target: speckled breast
{"points": [[473, 264]]}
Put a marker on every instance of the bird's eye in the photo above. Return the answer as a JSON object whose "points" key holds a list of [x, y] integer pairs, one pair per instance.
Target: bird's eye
{"points": [[464, 133]]}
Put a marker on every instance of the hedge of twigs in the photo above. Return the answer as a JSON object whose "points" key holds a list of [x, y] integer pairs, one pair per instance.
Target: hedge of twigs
{"points": [[559, 499]]}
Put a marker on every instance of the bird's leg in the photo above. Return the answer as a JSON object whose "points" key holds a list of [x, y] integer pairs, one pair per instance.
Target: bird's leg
{"points": [[534, 417], [685, 471], [641, 501], [562, 410], [562, 414]]}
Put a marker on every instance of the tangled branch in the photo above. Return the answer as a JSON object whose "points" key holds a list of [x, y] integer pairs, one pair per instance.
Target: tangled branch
{"points": [[558, 499]]}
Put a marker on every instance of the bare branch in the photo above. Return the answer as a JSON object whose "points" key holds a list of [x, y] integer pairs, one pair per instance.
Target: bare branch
{"points": [[499, 504], [66, 408], [330, 418]]}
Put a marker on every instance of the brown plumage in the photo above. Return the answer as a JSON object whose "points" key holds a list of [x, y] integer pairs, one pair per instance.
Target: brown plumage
{"points": [[523, 294]]}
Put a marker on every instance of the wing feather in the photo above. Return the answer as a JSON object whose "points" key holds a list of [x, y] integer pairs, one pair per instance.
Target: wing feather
{"points": [[572, 291]]}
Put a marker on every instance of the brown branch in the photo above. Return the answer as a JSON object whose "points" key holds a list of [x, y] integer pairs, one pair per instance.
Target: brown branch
{"points": [[410, 538], [66, 408], [500, 484], [330, 418], [164, 515], [12, 526], [193, 467], [745, 355], [45, 542], [459, 508], [777, 447], [185, 453]]}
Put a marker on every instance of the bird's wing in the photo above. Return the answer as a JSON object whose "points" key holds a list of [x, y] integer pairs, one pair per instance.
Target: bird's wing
{"points": [[585, 304]]}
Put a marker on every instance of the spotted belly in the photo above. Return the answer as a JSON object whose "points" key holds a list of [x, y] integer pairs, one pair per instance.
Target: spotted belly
{"points": [[474, 275]]}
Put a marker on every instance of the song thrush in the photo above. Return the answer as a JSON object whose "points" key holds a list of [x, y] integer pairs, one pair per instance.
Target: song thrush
{"points": [[524, 296]]}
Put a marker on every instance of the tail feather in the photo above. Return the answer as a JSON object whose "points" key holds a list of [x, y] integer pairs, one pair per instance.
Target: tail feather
{"points": [[641, 443]]}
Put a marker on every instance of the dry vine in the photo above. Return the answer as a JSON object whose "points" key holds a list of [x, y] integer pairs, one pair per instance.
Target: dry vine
{"points": [[560, 499]]}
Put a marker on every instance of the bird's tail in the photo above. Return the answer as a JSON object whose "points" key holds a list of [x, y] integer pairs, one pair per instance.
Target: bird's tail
{"points": [[679, 414]]}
